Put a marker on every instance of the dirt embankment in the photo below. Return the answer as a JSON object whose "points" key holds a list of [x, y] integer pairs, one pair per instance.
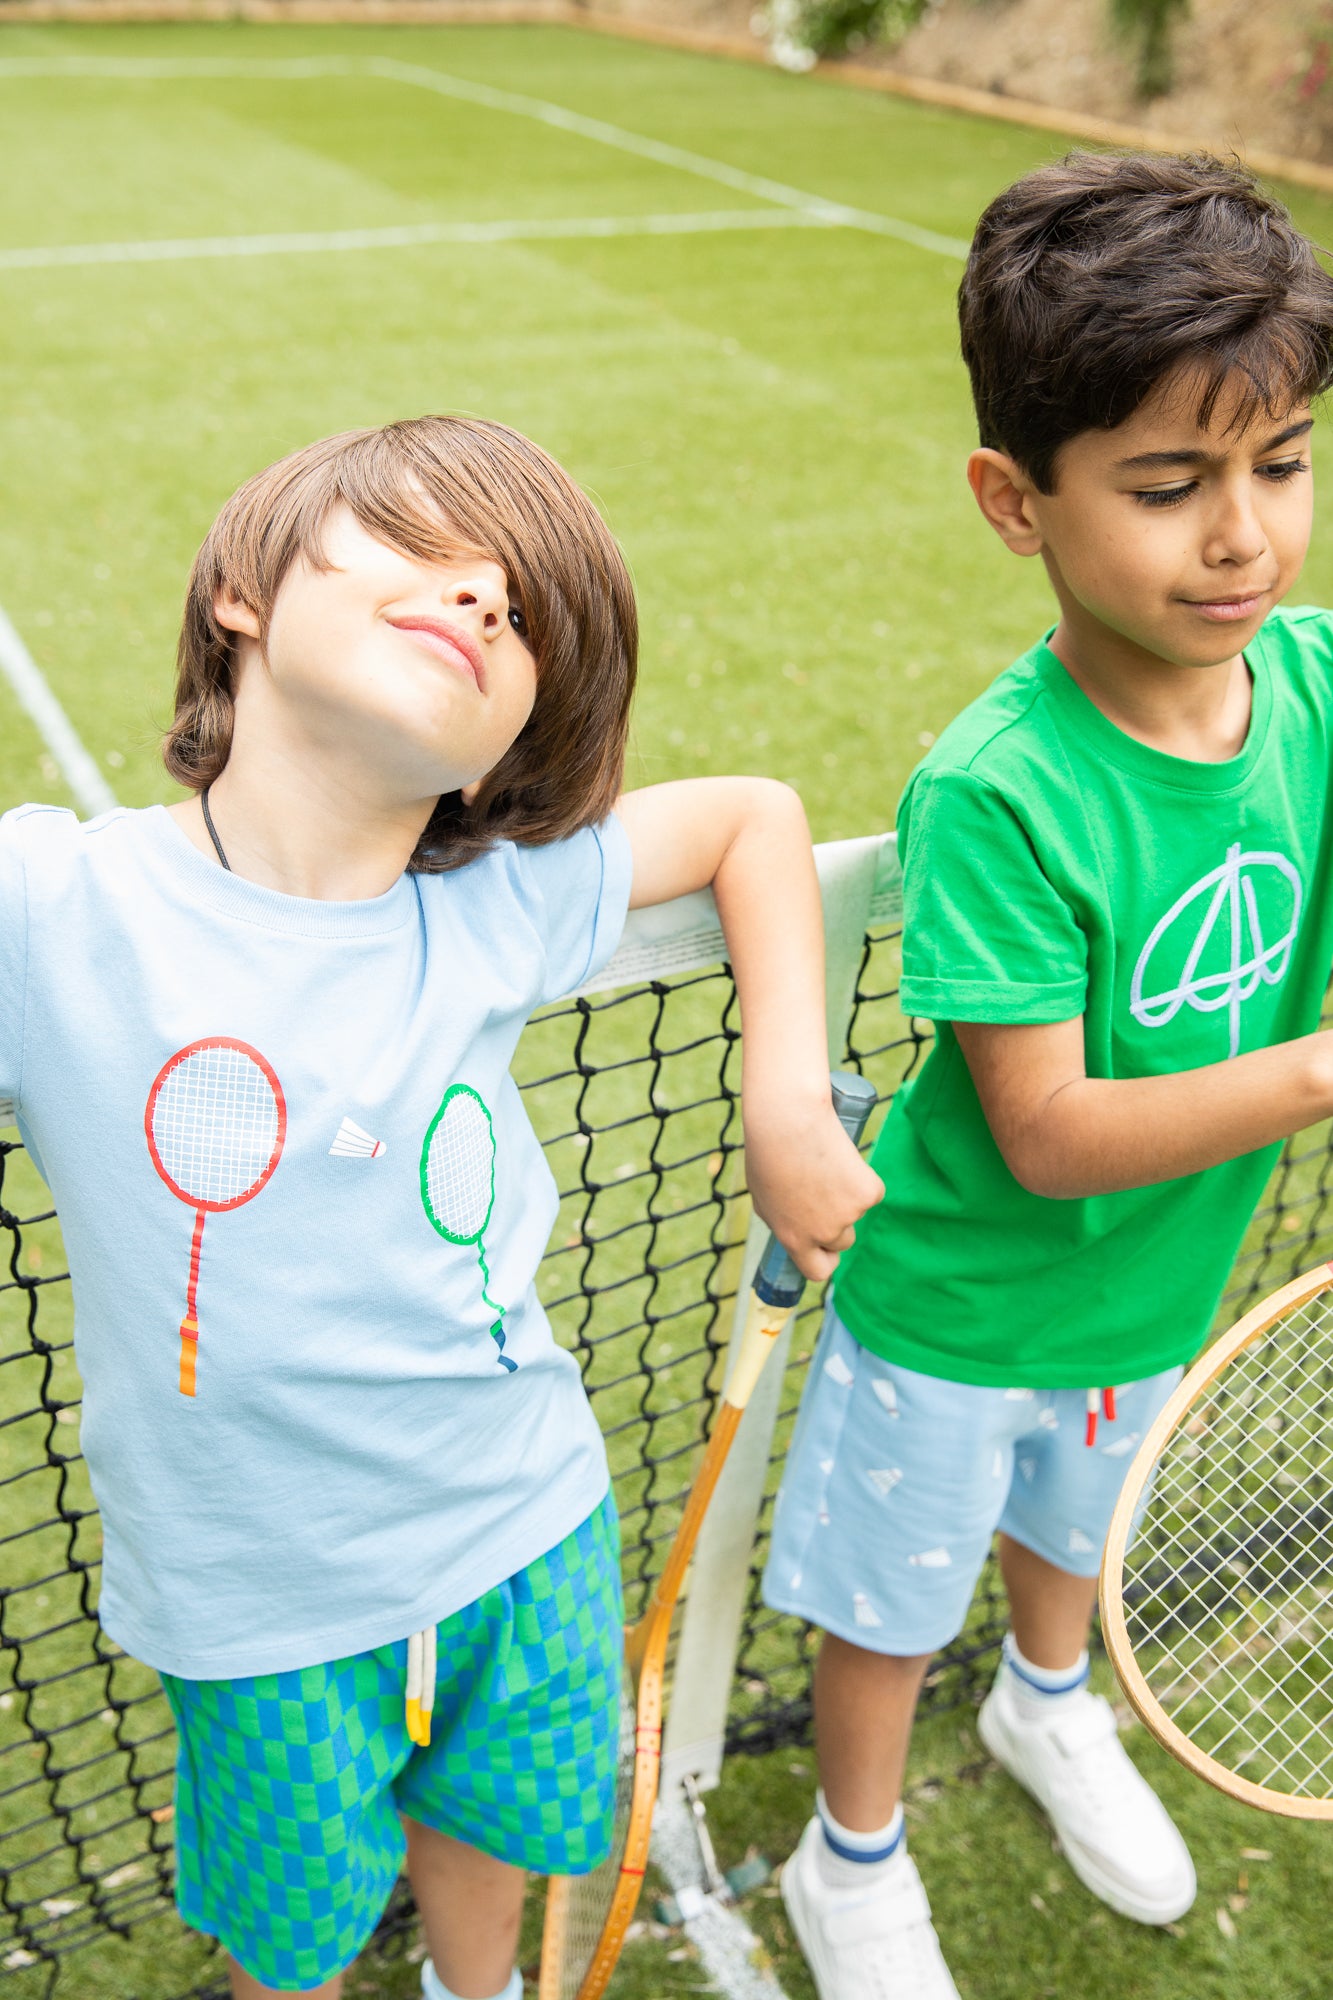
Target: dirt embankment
{"points": [[1248, 73], [1253, 75]]}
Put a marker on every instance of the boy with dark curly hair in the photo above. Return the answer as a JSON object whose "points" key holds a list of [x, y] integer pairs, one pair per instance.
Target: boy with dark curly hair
{"points": [[1118, 913]]}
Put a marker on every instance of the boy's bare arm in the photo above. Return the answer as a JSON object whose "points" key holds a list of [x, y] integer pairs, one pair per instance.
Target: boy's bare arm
{"points": [[748, 838], [1064, 1134]]}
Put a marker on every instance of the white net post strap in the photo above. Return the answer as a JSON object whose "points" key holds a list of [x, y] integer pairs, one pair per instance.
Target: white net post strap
{"points": [[859, 882], [731, 1955]]}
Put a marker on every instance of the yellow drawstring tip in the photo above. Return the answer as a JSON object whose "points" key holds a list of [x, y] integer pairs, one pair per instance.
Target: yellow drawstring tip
{"points": [[418, 1721]]}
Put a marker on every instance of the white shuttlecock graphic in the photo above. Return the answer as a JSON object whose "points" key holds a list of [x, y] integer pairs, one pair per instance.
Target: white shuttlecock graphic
{"points": [[886, 1394], [885, 1478], [354, 1144]]}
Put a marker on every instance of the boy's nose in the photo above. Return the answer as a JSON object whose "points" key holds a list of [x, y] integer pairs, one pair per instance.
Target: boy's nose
{"points": [[483, 591], [1238, 534]]}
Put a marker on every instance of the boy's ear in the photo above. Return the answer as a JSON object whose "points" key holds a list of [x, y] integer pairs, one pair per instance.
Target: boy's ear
{"points": [[1002, 491], [233, 616]]}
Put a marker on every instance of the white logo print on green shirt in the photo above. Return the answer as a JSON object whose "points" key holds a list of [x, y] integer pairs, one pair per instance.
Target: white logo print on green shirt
{"points": [[1250, 920]]}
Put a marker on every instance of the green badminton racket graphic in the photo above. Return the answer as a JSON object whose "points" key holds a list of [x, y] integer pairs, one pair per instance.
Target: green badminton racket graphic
{"points": [[458, 1184]]}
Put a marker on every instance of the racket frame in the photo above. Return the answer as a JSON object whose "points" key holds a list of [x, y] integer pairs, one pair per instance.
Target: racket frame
{"points": [[280, 1103], [645, 1657], [1115, 1630], [774, 1297], [451, 1096]]}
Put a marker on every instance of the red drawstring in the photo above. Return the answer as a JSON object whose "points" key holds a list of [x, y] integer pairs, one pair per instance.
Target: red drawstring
{"points": [[1108, 1411]]}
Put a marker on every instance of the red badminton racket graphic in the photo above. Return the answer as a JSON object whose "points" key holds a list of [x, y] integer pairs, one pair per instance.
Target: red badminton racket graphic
{"points": [[215, 1122]]}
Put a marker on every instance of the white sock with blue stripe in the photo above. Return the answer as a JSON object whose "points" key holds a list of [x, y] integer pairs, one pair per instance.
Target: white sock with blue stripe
{"points": [[849, 1860], [1038, 1692], [434, 1988]]}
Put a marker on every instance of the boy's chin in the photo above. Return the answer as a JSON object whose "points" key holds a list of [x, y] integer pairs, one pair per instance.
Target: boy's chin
{"points": [[1205, 647]]}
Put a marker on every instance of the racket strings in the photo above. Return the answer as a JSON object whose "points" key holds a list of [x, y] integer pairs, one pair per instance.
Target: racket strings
{"points": [[1229, 1590], [215, 1124], [460, 1165], [588, 1898]]}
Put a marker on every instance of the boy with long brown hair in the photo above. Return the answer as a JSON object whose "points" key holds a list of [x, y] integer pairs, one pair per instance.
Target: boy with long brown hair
{"points": [[259, 1043]]}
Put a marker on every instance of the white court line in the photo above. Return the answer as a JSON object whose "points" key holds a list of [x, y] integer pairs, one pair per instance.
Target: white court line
{"points": [[557, 116], [728, 1949], [403, 236], [80, 773]]}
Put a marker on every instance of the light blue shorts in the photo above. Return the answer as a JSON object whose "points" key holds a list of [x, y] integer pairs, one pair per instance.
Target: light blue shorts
{"points": [[896, 1483]]}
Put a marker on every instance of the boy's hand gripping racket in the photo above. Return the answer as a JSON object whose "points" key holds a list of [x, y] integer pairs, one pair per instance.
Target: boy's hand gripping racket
{"points": [[215, 1122], [587, 1915], [1217, 1583]]}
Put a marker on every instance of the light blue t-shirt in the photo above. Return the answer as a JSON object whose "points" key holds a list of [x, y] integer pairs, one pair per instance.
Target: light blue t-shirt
{"points": [[291, 1124]]}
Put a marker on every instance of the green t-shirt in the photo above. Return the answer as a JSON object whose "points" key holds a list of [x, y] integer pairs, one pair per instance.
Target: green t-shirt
{"points": [[1052, 867]]}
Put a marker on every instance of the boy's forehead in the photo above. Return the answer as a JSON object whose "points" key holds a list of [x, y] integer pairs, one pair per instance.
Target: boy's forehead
{"points": [[1181, 415], [423, 532], [1180, 425]]}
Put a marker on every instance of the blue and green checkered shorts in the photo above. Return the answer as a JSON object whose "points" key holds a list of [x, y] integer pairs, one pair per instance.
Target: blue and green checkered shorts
{"points": [[289, 1786]]}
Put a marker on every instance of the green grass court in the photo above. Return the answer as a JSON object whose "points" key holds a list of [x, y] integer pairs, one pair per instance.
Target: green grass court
{"points": [[769, 407]]}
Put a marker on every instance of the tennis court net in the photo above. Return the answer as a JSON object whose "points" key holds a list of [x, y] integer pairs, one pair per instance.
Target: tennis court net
{"points": [[634, 1088]]}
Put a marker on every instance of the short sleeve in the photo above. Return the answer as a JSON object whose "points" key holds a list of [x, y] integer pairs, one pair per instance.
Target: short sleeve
{"points": [[986, 935], [580, 898], [13, 962]]}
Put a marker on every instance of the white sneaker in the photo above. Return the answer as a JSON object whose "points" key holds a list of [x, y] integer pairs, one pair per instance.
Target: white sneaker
{"points": [[875, 1945], [1115, 1832]]}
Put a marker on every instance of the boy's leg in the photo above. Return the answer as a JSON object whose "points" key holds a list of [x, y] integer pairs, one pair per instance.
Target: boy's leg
{"points": [[471, 1906], [1041, 1720], [243, 1987], [864, 1705], [1050, 1610], [893, 1489]]}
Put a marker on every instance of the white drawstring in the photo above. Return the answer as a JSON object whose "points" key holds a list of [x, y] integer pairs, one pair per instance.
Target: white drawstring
{"points": [[420, 1684]]}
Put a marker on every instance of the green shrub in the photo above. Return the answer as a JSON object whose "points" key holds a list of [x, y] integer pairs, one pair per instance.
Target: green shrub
{"points": [[1149, 24], [841, 27]]}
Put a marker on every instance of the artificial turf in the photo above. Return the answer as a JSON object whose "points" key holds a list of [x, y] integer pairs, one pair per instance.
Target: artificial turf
{"points": [[775, 425]]}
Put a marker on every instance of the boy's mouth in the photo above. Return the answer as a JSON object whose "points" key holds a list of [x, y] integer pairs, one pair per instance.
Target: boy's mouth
{"points": [[450, 643], [1233, 610]]}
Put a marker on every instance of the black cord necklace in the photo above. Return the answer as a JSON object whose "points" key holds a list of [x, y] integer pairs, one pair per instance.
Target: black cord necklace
{"points": [[212, 830]]}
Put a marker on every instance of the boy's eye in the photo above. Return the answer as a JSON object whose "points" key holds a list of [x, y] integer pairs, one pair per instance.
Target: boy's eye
{"points": [[518, 621], [1280, 469], [1166, 496]]}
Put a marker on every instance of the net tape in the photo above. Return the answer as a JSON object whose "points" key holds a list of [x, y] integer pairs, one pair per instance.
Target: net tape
{"points": [[635, 1092]]}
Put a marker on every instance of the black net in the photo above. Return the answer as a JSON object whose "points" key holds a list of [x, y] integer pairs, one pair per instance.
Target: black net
{"points": [[635, 1093]]}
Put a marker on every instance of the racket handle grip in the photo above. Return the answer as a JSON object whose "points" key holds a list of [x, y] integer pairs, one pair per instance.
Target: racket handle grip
{"points": [[778, 1281]]}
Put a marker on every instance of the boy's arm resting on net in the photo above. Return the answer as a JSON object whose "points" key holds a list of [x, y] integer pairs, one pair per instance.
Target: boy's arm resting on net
{"points": [[1065, 1135], [748, 839]]}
